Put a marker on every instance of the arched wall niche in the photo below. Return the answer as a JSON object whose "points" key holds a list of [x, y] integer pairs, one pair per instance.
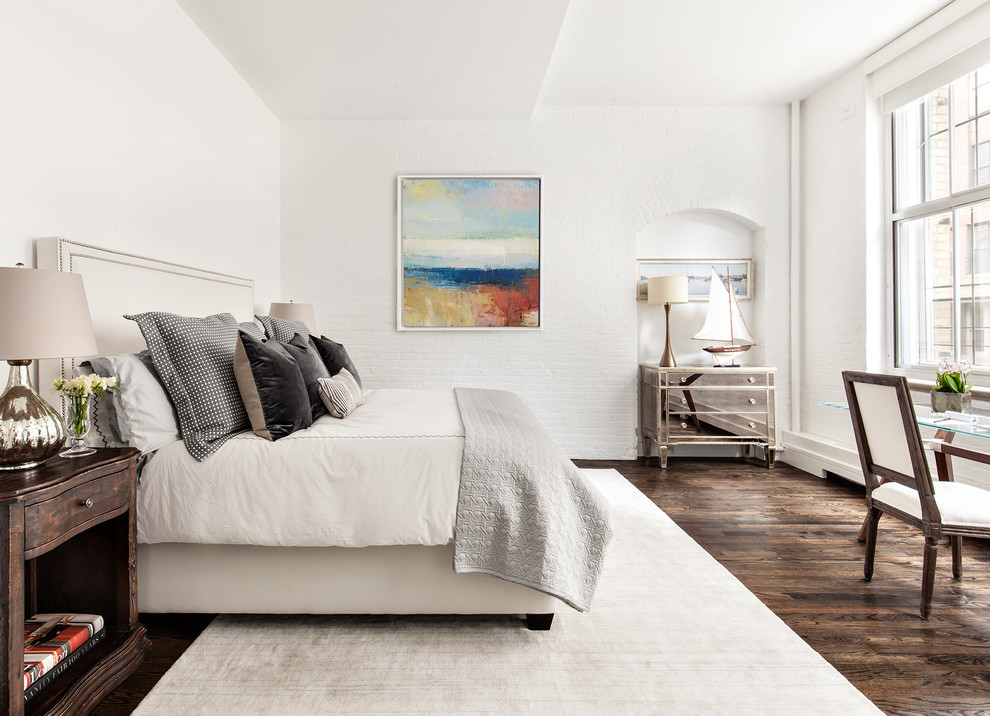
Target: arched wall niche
{"points": [[708, 235]]}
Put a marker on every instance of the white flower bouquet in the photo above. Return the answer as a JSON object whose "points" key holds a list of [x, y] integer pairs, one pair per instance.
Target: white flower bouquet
{"points": [[953, 376], [78, 391]]}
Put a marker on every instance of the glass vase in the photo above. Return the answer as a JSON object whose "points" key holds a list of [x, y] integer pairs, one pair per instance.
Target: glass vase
{"points": [[77, 423]]}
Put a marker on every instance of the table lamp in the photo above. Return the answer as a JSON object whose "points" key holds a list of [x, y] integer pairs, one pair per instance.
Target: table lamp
{"points": [[44, 315], [667, 290], [302, 312]]}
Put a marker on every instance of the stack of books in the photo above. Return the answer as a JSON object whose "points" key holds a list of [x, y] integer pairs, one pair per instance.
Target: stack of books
{"points": [[53, 642]]}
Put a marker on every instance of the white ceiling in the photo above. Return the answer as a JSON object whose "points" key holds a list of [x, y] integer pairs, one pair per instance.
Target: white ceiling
{"points": [[498, 59]]}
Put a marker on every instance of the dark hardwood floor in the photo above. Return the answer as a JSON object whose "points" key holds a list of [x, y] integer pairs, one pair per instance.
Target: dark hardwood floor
{"points": [[790, 538]]}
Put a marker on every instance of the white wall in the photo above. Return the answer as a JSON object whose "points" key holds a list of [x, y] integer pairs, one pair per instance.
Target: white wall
{"points": [[842, 303], [608, 174], [844, 306], [122, 126]]}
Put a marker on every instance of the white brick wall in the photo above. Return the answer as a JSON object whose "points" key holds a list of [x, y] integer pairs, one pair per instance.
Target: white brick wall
{"points": [[608, 173]]}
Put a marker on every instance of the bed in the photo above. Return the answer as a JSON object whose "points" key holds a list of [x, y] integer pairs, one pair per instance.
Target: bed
{"points": [[203, 550]]}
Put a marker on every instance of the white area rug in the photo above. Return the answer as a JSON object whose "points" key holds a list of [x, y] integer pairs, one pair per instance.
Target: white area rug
{"points": [[671, 631]]}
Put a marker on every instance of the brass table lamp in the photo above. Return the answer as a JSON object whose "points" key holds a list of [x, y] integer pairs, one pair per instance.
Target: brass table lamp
{"points": [[666, 290]]}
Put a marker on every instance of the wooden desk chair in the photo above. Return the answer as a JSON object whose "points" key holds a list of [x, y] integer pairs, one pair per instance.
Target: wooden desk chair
{"points": [[898, 481]]}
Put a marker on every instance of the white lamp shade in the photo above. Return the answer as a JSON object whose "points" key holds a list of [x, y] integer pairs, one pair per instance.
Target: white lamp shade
{"points": [[302, 312], [44, 314], [667, 289]]}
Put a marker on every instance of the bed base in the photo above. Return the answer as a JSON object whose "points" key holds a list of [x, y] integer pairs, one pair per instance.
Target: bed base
{"points": [[245, 579]]}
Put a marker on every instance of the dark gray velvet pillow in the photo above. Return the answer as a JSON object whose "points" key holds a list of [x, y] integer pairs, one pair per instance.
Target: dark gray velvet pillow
{"points": [[312, 369], [334, 357], [281, 330], [272, 387], [195, 359]]}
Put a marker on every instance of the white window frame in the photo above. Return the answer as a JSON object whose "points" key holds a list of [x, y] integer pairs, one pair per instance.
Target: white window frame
{"points": [[951, 203]]}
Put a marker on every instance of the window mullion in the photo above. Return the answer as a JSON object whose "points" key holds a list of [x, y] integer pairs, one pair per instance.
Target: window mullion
{"points": [[956, 287]]}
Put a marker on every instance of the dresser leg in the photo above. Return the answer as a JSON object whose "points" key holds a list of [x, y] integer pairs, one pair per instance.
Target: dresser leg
{"points": [[771, 453], [663, 456]]}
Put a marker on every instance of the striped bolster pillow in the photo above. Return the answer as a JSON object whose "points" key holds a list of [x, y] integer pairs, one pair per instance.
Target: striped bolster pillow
{"points": [[341, 394]]}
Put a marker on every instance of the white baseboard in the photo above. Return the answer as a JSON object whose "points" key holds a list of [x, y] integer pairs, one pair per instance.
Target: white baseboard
{"points": [[815, 454]]}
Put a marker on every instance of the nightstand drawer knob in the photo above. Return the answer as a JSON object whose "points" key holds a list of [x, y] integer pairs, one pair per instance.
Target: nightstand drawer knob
{"points": [[683, 380], [752, 425], [684, 401], [752, 401], [88, 502], [751, 379]]}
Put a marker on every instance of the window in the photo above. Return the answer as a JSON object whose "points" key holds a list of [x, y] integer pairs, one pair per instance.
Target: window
{"points": [[941, 231]]}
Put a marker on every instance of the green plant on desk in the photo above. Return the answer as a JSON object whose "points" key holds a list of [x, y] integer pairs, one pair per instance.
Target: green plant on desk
{"points": [[953, 376], [952, 387]]}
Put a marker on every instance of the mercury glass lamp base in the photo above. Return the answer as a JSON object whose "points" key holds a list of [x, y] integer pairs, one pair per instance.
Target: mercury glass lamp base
{"points": [[31, 430]]}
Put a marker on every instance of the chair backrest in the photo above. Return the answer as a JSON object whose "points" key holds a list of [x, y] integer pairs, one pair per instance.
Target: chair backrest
{"points": [[887, 435]]}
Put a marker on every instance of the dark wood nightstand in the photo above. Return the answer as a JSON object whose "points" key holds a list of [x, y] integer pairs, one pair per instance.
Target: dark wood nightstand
{"points": [[69, 545]]}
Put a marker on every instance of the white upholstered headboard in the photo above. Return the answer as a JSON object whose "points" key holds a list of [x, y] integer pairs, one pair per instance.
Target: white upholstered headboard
{"points": [[119, 283]]}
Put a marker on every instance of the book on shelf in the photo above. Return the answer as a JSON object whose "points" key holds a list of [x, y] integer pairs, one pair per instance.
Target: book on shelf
{"points": [[53, 642]]}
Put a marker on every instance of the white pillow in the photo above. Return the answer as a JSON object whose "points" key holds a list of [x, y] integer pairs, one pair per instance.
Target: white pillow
{"points": [[341, 394], [142, 414]]}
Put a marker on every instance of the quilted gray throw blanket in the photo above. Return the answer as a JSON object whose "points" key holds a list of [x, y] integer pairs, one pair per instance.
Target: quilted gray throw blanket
{"points": [[524, 512]]}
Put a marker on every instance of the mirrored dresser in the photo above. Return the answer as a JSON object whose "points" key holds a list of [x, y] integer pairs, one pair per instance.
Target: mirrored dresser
{"points": [[694, 405]]}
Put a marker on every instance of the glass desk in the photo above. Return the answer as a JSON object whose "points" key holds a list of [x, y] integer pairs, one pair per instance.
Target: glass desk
{"points": [[941, 444], [947, 428]]}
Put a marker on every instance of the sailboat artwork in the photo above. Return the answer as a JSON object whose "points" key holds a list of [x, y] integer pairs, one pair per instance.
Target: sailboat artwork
{"points": [[724, 324]]}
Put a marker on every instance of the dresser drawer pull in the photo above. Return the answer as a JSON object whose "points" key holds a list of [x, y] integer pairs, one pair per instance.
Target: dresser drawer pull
{"points": [[683, 425], [683, 401], [683, 380], [751, 379], [88, 502], [752, 425], [752, 401]]}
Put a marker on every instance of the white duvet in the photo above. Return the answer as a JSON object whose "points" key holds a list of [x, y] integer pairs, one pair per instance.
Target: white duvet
{"points": [[388, 474]]}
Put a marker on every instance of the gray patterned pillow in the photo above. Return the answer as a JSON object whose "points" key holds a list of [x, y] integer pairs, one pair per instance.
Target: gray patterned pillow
{"points": [[252, 329], [281, 330], [195, 359]]}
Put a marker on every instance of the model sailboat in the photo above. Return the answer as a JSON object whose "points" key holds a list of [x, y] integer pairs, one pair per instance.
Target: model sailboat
{"points": [[724, 323]]}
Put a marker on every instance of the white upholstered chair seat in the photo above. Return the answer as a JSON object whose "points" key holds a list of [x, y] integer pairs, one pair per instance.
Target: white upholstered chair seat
{"points": [[958, 503]]}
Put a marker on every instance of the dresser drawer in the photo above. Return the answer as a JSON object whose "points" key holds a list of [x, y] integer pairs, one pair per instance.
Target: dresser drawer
{"points": [[48, 520], [731, 401], [708, 380]]}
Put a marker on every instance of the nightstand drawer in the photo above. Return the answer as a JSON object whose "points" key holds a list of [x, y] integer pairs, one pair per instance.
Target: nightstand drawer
{"points": [[48, 520]]}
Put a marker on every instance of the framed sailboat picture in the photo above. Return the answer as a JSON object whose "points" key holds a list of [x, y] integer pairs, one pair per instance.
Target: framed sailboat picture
{"points": [[739, 273]]}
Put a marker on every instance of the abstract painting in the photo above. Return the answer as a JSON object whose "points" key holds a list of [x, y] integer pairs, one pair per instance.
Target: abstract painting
{"points": [[699, 275], [469, 252]]}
